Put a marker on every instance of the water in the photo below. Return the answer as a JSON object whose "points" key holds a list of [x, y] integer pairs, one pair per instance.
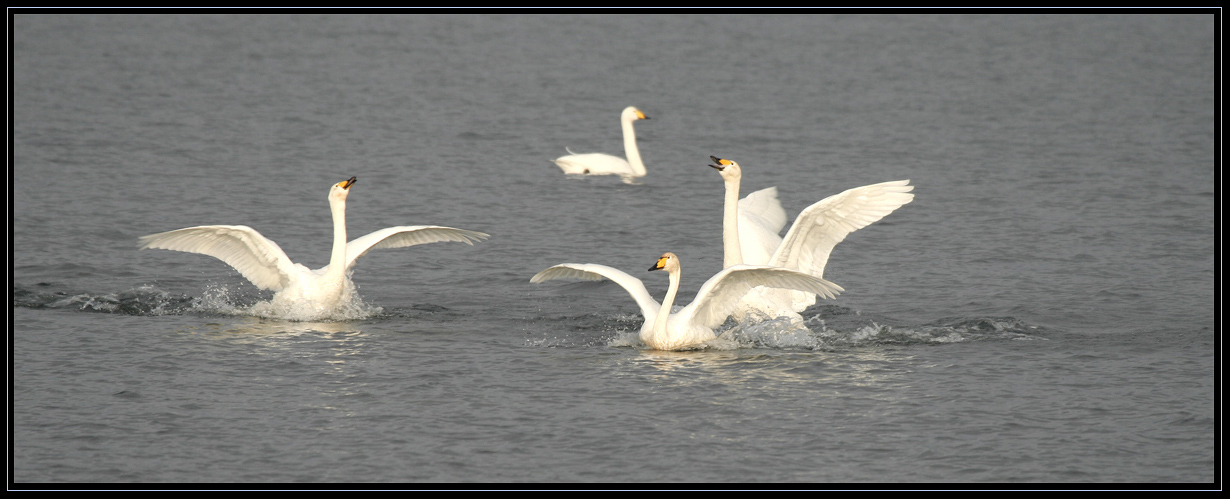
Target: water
{"points": [[1042, 312]]}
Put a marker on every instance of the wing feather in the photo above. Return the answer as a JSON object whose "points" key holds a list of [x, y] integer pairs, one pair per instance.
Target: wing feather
{"points": [[719, 296], [256, 258], [408, 235], [819, 227], [595, 272], [761, 218]]}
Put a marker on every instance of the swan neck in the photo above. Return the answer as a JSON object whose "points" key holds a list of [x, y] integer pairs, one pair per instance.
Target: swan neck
{"points": [[668, 302], [732, 254], [337, 260], [630, 150]]}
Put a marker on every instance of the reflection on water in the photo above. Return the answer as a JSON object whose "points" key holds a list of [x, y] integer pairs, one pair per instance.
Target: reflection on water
{"points": [[327, 358], [786, 370], [258, 328], [331, 343]]}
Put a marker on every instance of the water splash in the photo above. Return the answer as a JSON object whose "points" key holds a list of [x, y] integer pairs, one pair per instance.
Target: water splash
{"points": [[215, 299], [818, 334], [834, 328], [352, 308], [586, 330]]}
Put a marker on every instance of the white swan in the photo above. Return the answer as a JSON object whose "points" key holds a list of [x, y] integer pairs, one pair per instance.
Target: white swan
{"points": [[693, 324], [605, 164], [808, 243], [301, 293]]}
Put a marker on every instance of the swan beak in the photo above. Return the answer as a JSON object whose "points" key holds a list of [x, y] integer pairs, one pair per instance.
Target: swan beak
{"points": [[721, 163], [346, 185], [659, 265], [640, 115]]}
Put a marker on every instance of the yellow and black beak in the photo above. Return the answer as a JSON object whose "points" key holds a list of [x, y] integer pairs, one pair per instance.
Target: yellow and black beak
{"points": [[721, 163], [640, 115], [346, 185], [660, 264]]}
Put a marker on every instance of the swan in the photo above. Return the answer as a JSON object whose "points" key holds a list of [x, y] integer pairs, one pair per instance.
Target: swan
{"points": [[761, 219], [694, 323], [605, 164], [301, 293], [808, 243]]}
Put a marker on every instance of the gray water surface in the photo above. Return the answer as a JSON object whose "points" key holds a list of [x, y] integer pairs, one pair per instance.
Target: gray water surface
{"points": [[1042, 312]]}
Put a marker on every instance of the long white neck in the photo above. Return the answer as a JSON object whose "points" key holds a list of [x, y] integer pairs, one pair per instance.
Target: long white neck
{"points": [[630, 151], [668, 302], [732, 254], [337, 260]]}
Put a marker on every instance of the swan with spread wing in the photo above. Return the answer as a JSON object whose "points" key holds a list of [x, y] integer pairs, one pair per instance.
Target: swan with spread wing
{"points": [[301, 293], [808, 243], [717, 297]]}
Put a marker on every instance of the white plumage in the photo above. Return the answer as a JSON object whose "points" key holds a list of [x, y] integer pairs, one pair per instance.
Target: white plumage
{"points": [[606, 164], [715, 300], [301, 293], [809, 242]]}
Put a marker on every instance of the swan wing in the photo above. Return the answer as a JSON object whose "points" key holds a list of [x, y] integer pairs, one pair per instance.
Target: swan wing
{"points": [[761, 218], [721, 294], [256, 258], [408, 235], [595, 272], [819, 227]]}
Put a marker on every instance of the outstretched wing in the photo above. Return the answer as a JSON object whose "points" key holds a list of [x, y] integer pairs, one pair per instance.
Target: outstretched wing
{"points": [[595, 272], [256, 258], [410, 235], [821, 226], [719, 296], [761, 218]]}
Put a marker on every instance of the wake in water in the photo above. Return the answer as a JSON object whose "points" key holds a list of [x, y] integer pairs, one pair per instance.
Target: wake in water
{"points": [[216, 299], [143, 300], [826, 328]]}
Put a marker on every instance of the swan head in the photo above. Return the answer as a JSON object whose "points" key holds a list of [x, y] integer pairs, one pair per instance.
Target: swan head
{"points": [[632, 114], [339, 190], [729, 170], [668, 262]]}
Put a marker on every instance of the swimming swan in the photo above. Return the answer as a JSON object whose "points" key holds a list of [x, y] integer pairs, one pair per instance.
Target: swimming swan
{"points": [[605, 164], [694, 323], [300, 293], [807, 244]]}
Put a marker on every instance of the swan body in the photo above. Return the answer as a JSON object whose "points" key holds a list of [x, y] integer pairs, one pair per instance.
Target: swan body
{"points": [[717, 297], [301, 293], [761, 219], [606, 164], [807, 245]]}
